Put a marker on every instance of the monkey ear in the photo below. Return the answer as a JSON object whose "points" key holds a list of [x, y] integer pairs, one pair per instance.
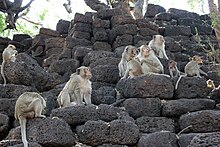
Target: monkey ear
{"points": [[154, 37], [78, 71]]}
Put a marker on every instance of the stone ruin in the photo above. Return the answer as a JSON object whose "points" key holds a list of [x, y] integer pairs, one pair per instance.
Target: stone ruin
{"points": [[148, 113]]}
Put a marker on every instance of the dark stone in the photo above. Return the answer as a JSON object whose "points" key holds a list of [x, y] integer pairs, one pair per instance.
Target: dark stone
{"points": [[102, 46], [140, 87], [100, 35], [172, 45], [164, 16], [81, 35], [201, 121], [104, 95], [183, 13], [185, 139], [8, 106], [105, 61], [158, 139], [155, 124], [76, 115], [105, 73], [20, 37], [138, 107], [54, 42], [152, 10], [42, 130], [147, 32], [83, 27], [4, 126], [72, 42], [62, 26], [143, 23], [108, 13], [80, 52], [99, 23], [96, 55], [123, 40], [206, 139], [82, 18], [49, 32], [192, 87], [116, 132], [174, 108], [177, 30], [121, 20], [17, 143]]}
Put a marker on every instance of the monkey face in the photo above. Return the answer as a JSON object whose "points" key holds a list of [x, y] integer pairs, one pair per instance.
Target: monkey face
{"points": [[158, 39], [145, 50], [197, 59], [84, 72], [88, 73], [209, 83], [12, 46], [132, 51], [172, 64]]}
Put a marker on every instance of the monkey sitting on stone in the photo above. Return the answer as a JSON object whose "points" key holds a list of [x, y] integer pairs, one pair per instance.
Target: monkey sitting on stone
{"points": [[8, 55], [172, 65], [28, 105], [77, 89], [192, 68]]}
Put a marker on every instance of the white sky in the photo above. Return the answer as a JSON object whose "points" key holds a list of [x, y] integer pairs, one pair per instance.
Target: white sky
{"points": [[56, 10]]}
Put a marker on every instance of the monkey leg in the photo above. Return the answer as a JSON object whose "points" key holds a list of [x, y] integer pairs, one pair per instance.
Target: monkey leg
{"points": [[36, 105], [87, 98], [23, 121], [65, 98]]}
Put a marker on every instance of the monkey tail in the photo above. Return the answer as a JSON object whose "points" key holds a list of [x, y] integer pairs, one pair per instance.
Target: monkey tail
{"points": [[177, 83], [23, 122], [2, 72]]}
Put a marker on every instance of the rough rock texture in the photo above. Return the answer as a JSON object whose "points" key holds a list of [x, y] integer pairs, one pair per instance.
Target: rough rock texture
{"points": [[192, 87], [115, 132], [155, 124], [42, 130], [76, 115], [172, 108], [185, 139], [158, 139], [137, 107], [17, 143], [206, 139], [141, 87], [201, 121], [4, 126]]}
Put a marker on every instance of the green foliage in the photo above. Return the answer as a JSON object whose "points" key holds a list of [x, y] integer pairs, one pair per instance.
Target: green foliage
{"points": [[43, 14], [3, 26]]}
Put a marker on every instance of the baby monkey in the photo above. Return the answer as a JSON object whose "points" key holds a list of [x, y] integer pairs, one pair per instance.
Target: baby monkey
{"points": [[173, 69], [192, 68], [210, 84], [28, 105], [8, 55]]}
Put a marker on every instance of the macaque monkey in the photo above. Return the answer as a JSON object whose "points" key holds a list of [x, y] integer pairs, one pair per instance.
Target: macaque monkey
{"points": [[77, 88], [158, 45], [210, 84], [8, 55], [149, 61], [173, 68], [192, 68], [133, 69], [129, 53], [28, 105]]}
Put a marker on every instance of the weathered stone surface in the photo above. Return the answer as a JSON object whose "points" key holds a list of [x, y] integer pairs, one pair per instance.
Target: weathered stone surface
{"points": [[206, 139], [177, 30], [104, 95], [201, 121], [72, 42], [84, 27], [4, 125], [138, 107], [192, 87], [82, 18], [49, 32], [112, 145], [147, 32], [62, 26], [172, 45], [42, 130], [64, 66], [141, 87], [102, 46], [164, 16], [155, 124], [100, 35], [121, 20], [17, 143], [115, 132], [183, 13], [108, 13], [174, 108], [54, 42], [20, 37], [152, 10], [81, 35], [99, 23], [105, 73], [96, 55], [53, 51], [80, 52], [123, 40], [158, 139], [105, 61], [185, 139], [76, 115]]}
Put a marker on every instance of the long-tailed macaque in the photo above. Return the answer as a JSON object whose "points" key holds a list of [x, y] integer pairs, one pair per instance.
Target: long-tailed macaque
{"points": [[28, 105], [128, 53], [149, 61], [158, 45], [77, 89], [172, 65], [210, 84], [8, 55], [192, 68]]}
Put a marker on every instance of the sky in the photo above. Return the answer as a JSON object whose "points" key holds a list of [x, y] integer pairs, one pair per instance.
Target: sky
{"points": [[57, 11]]}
